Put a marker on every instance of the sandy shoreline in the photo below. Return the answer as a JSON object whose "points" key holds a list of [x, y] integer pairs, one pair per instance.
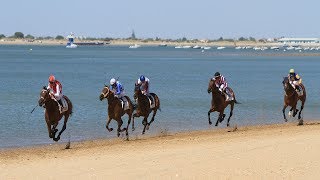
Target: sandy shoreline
{"points": [[281, 151]]}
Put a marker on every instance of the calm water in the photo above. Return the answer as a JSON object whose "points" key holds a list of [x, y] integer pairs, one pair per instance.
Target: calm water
{"points": [[179, 77]]}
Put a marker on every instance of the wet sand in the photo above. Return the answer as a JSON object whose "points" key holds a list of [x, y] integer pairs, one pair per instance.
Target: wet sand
{"points": [[280, 151]]}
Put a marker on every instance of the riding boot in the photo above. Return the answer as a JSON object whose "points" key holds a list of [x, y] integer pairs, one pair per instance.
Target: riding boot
{"points": [[122, 102], [60, 105], [298, 90], [150, 98]]}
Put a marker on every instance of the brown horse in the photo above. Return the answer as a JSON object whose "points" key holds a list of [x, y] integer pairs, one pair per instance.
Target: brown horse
{"points": [[219, 103], [291, 98], [144, 108], [52, 113], [115, 110]]}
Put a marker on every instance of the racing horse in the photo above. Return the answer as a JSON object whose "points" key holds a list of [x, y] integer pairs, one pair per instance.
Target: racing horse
{"points": [[291, 99], [116, 111], [219, 103], [52, 113], [144, 107]]}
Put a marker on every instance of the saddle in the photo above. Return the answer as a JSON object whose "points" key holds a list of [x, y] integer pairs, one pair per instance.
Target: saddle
{"points": [[64, 103]]}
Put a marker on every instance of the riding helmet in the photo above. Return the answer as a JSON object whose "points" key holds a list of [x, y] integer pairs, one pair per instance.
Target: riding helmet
{"points": [[291, 71], [112, 81], [217, 74], [52, 78], [142, 78]]}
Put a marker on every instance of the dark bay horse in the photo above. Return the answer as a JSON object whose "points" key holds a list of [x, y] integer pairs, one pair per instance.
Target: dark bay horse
{"points": [[291, 99], [52, 113], [144, 108], [219, 103], [115, 110]]}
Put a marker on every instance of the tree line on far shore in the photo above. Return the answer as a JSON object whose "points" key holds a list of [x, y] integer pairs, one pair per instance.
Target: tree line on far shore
{"points": [[20, 35]]}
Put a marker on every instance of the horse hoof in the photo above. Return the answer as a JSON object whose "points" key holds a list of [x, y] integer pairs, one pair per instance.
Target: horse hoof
{"points": [[285, 120], [56, 139], [118, 134], [147, 127], [228, 125], [216, 124], [300, 123], [210, 122], [133, 129]]}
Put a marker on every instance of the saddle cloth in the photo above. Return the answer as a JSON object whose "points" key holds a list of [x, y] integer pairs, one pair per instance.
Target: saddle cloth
{"points": [[152, 103], [125, 104]]}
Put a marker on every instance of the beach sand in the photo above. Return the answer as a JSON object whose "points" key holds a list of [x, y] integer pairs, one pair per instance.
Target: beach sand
{"points": [[281, 151]]}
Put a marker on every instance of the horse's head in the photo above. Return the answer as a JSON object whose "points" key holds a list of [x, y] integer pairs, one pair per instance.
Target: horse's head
{"points": [[44, 96], [211, 86], [136, 90], [286, 84], [105, 93]]}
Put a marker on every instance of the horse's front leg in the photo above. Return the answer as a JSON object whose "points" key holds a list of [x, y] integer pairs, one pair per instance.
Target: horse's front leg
{"points": [[144, 122], [295, 111], [284, 112], [210, 111], [108, 122], [219, 118], [63, 128], [50, 132], [134, 115]]}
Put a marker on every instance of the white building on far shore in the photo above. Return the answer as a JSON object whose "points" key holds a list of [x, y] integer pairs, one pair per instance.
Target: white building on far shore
{"points": [[298, 40]]}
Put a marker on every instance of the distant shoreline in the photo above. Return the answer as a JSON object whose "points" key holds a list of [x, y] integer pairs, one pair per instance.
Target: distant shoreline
{"points": [[150, 43]]}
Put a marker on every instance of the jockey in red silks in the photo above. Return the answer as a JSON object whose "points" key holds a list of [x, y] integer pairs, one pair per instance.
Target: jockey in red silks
{"points": [[144, 83], [222, 84], [55, 89]]}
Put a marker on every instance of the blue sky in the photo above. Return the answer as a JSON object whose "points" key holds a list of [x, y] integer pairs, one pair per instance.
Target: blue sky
{"points": [[162, 18]]}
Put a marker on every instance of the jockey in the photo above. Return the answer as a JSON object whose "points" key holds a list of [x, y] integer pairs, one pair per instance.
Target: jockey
{"points": [[295, 81], [222, 84], [55, 89], [144, 83], [118, 90]]}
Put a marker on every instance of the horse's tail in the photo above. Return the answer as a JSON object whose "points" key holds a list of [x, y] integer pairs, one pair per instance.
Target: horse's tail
{"points": [[70, 105]]}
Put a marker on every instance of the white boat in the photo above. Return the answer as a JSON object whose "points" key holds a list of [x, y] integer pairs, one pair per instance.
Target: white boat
{"points": [[256, 48], [163, 45], [135, 46], [248, 47], [306, 48], [221, 47], [70, 41], [297, 48], [71, 46], [206, 47], [274, 48], [290, 48], [186, 47], [238, 47], [178, 47], [196, 47]]}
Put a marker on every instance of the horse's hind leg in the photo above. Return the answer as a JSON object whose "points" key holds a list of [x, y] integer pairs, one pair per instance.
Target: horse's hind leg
{"points": [[129, 120], [63, 128], [283, 112], [152, 119], [299, 116], [231, 112]]}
